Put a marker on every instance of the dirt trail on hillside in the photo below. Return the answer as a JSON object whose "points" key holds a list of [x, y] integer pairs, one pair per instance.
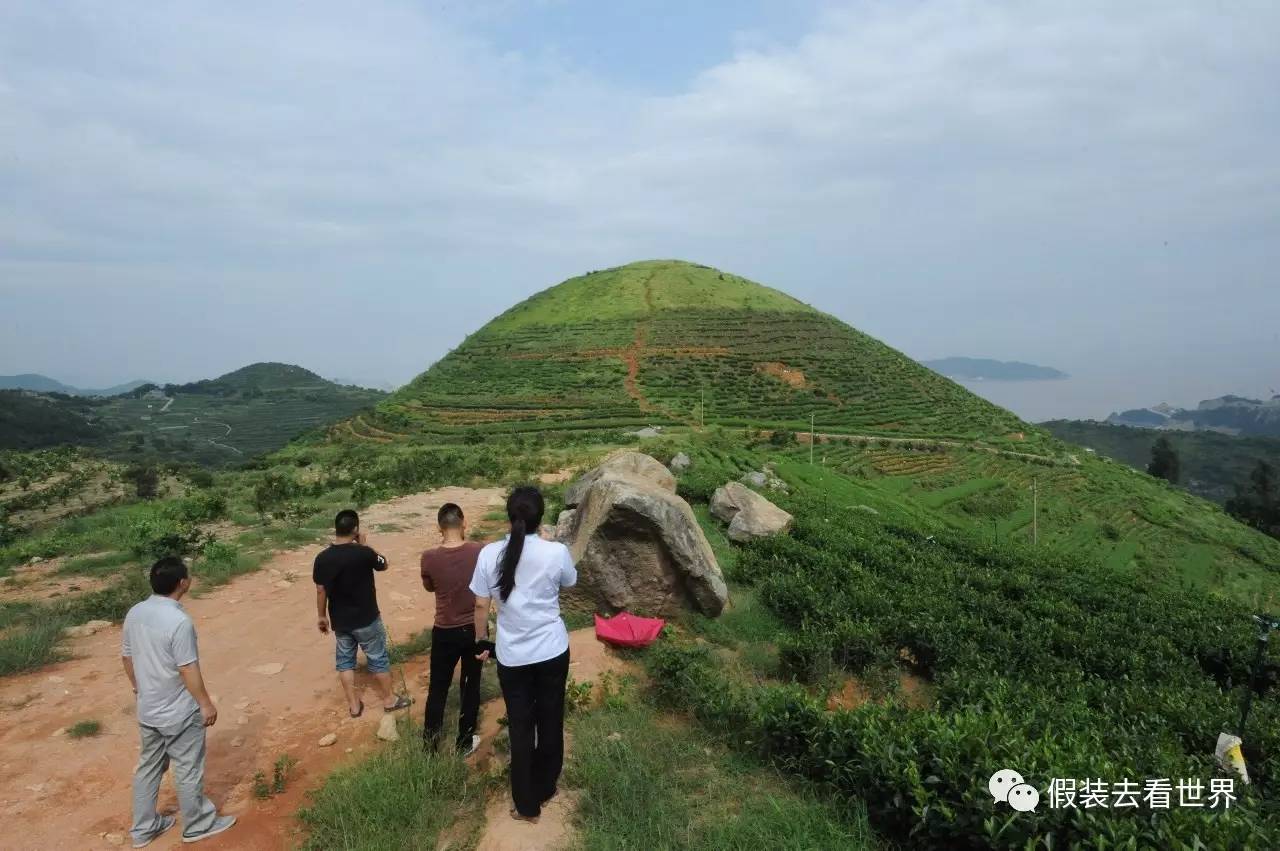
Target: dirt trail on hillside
{"points": [[588, 660], [56, 792]]}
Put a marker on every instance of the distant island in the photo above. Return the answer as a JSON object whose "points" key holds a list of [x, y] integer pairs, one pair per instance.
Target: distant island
{"points": [[1229, 414], [986, 369]]}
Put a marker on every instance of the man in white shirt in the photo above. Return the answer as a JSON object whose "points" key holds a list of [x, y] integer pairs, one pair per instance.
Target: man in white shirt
{"points": [[163, 666]]}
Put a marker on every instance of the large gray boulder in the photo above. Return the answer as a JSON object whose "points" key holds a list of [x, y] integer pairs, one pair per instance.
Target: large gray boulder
{"points": [[680, 463], [638, 546], [625, 464], [748, 514]]}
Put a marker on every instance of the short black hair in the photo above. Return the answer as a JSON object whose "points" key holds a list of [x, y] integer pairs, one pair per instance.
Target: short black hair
{"points": [[345, 523], [166, 574], [450, 516]]}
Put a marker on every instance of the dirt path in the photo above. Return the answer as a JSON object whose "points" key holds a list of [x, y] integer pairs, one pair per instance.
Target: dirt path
{"points": [[588, 660], [56, 792]]}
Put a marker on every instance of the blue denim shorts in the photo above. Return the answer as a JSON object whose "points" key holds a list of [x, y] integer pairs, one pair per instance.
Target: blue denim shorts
{"points": [[372, 639]]}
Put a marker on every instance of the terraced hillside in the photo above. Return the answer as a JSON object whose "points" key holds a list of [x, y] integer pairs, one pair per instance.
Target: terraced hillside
{"points": [[668, 342], [647, 343], [216, 422]]}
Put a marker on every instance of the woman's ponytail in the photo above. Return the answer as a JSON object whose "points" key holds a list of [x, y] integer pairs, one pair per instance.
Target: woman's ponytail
{"points": [[524, 509]]}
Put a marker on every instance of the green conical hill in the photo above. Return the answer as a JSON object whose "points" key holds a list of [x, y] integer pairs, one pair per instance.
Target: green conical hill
{"points": [[647, 343]]}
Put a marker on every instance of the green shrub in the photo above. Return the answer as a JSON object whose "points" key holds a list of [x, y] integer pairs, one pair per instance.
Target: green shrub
{"points": [[272, 490], [84, 729], [202, 506], [159, 535], [1038, 660], [29, 646]]}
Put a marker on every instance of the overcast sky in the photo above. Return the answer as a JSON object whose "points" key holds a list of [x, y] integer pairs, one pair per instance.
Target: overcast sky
{"points": [[188, 187]]}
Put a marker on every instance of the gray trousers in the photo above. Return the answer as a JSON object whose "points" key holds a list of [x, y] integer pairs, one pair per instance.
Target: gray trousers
{"points": [[184, 748]]}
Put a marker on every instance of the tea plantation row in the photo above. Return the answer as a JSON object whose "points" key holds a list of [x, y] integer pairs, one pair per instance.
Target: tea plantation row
{"points": [[1048, 664]]}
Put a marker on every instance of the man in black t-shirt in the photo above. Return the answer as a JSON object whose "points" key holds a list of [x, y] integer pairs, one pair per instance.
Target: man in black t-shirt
{"points": [[347, 602]]}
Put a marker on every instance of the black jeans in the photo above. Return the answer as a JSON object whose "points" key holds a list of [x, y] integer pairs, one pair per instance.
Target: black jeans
{"points": [[535, 719], [448, 647]]}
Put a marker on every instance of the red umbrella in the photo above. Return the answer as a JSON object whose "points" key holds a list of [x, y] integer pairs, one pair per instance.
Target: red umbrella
{"points": [[628, 630]]}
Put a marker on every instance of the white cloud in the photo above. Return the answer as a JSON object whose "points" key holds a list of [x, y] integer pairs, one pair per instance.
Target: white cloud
{"points": [[930, 169]]}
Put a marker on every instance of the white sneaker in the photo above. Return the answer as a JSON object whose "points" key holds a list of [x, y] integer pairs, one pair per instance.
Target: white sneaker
{"points": [[166, 822], [220, 824], [475, 746]]}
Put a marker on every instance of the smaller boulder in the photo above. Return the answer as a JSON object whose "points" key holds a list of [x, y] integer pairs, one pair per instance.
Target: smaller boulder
{"points": [[327, 740], [84, 630], [680, 463], [387, 729], [748, 514], [647, 431], [756, 479]]}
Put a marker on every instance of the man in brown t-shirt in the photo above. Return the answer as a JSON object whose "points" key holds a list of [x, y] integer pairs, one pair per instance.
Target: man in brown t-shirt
{"points": [[446, 572]]}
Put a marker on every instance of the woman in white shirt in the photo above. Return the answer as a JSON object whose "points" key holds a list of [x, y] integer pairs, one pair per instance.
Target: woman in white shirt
{"points": [[526, 573]]}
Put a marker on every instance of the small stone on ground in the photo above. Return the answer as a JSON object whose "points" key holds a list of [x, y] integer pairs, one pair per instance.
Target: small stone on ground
{"points": [[387, 729], [270, 669]]}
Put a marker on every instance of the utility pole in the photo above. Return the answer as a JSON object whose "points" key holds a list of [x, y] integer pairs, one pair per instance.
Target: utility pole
{"points": [[812, 439], [1035, 511], [702, 409]]}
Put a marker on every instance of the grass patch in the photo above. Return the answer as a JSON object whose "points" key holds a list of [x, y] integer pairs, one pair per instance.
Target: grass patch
{"points": [[744, 621], [84, 729], [95, 565], [402, 797], [946, 496], [418, 643], [726, 555], [654, 782], [574, 619]]}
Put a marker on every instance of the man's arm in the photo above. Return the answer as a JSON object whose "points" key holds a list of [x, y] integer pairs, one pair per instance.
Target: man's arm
{"points": [[194, 682], [427, 581], [322, 611], [128, 672], [481, 622], [381, 560]]}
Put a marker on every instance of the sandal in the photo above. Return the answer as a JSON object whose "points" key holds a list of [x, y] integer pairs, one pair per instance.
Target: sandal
{"points": [[515, 814], [402, 702], [358, 712]]}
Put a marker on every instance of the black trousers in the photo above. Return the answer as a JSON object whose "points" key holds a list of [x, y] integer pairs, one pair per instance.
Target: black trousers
{"points": [[448, 647], [534, 695]]}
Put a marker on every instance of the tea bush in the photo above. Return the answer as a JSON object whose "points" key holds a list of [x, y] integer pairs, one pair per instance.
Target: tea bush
{"points": [[1051, 665]]}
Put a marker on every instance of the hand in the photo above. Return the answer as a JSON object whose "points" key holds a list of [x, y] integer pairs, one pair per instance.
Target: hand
{"points": [[322, 624], [483, 657], [360, 538], [210, 714], [484, 649]]}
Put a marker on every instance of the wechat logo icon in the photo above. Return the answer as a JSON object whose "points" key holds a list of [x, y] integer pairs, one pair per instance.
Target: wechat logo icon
{"points": [[1008, 786]]}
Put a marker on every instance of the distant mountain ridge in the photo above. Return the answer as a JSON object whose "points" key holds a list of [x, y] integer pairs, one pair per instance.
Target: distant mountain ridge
{"points": [[37, 383], [1213, 463], [1237, 415], [225, 420], [986, 369]]}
